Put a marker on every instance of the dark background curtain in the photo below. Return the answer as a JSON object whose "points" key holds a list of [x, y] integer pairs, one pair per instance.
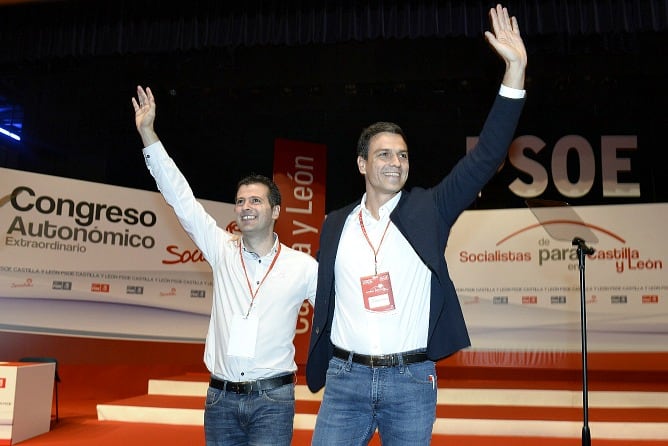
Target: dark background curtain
{"points": [[97, 28], [230, 79]]}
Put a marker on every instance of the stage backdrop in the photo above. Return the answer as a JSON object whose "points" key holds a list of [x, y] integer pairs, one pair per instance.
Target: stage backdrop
{"points": [[300, 171], [518, 275], [86, 259]]}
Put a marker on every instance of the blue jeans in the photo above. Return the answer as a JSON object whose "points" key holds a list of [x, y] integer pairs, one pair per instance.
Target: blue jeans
{"points": [[399, 401], [262, 418]]}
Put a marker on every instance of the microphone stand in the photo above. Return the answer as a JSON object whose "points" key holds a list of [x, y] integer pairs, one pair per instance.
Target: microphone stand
{"points": [[584, 250]]}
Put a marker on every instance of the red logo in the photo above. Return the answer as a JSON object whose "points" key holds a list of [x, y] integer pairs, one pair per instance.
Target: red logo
{"points": [[233, 227], [3, 383], [26, 284], [171, 292], [650, 299], [529, 299], [99, 287], [183, 257]]}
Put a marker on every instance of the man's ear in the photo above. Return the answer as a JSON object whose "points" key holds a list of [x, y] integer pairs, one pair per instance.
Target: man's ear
{"points": [[275, 211], [361, 165]]}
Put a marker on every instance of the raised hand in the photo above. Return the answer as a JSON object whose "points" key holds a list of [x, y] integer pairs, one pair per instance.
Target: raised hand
{"points": [[506, 40], [144, 106]]}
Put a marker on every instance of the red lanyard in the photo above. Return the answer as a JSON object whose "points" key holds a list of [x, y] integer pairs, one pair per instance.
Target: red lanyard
{"points": [[250, 288], [375, 251]]}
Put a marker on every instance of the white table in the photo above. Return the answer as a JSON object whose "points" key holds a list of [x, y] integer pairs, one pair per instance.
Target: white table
{"points": [[26, 399]]}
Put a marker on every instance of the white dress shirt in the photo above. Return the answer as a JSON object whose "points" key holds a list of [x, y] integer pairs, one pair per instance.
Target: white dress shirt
{"points": [[291, 281], [357, 329]]}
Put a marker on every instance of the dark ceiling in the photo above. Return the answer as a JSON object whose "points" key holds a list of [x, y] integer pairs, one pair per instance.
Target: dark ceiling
{"points": [[229, 80]]}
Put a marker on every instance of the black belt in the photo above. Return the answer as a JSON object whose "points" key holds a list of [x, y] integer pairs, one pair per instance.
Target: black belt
{"points": [[381, 360], [252, 386]]}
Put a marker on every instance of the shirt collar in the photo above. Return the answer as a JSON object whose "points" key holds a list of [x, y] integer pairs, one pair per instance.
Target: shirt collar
{"points": [[385, 209], [270, 254]]}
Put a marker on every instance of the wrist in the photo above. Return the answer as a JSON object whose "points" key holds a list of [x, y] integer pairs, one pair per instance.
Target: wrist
{"points": [[148, 136]]}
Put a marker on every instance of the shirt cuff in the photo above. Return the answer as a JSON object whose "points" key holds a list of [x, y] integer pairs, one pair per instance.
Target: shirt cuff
{"points": [[512, 93], [154, 149]]}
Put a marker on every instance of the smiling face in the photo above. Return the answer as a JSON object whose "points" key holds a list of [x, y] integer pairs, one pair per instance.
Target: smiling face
{"points": [[386, 166], [253, 209]]}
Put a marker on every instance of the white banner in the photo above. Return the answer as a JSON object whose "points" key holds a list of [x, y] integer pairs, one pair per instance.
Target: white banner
{"points": [[518, 277], [89, 259]]}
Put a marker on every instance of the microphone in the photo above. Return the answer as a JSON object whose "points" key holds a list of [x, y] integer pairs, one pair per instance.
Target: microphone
{"points": [[577, 241]]}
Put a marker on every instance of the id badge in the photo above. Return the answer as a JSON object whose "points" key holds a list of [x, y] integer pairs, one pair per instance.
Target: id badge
{"points": [[377, 292], [243, 336]]}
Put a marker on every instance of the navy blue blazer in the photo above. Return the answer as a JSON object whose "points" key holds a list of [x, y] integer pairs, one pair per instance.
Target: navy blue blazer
{"points": [[424, 217]]}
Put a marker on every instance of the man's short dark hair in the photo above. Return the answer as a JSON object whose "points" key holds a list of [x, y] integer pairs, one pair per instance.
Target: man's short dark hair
{"points": [[274, 193], [373, 130]]}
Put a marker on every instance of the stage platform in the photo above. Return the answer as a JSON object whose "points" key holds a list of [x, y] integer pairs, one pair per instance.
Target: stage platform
{"points": [[617, 411]]}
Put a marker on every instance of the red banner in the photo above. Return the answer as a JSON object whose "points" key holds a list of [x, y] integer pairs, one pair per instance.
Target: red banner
{"points": [[300, 172]]}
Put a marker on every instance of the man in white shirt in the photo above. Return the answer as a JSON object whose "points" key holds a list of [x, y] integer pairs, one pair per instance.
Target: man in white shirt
{"points": [[386, 309], [259, 286]]}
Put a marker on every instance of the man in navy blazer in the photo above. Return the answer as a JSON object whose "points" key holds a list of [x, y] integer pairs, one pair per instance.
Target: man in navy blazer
{"points": [[386, 308]]}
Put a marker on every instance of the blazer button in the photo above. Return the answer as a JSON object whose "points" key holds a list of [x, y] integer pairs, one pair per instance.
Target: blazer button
{"points": [[317, 330]]}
